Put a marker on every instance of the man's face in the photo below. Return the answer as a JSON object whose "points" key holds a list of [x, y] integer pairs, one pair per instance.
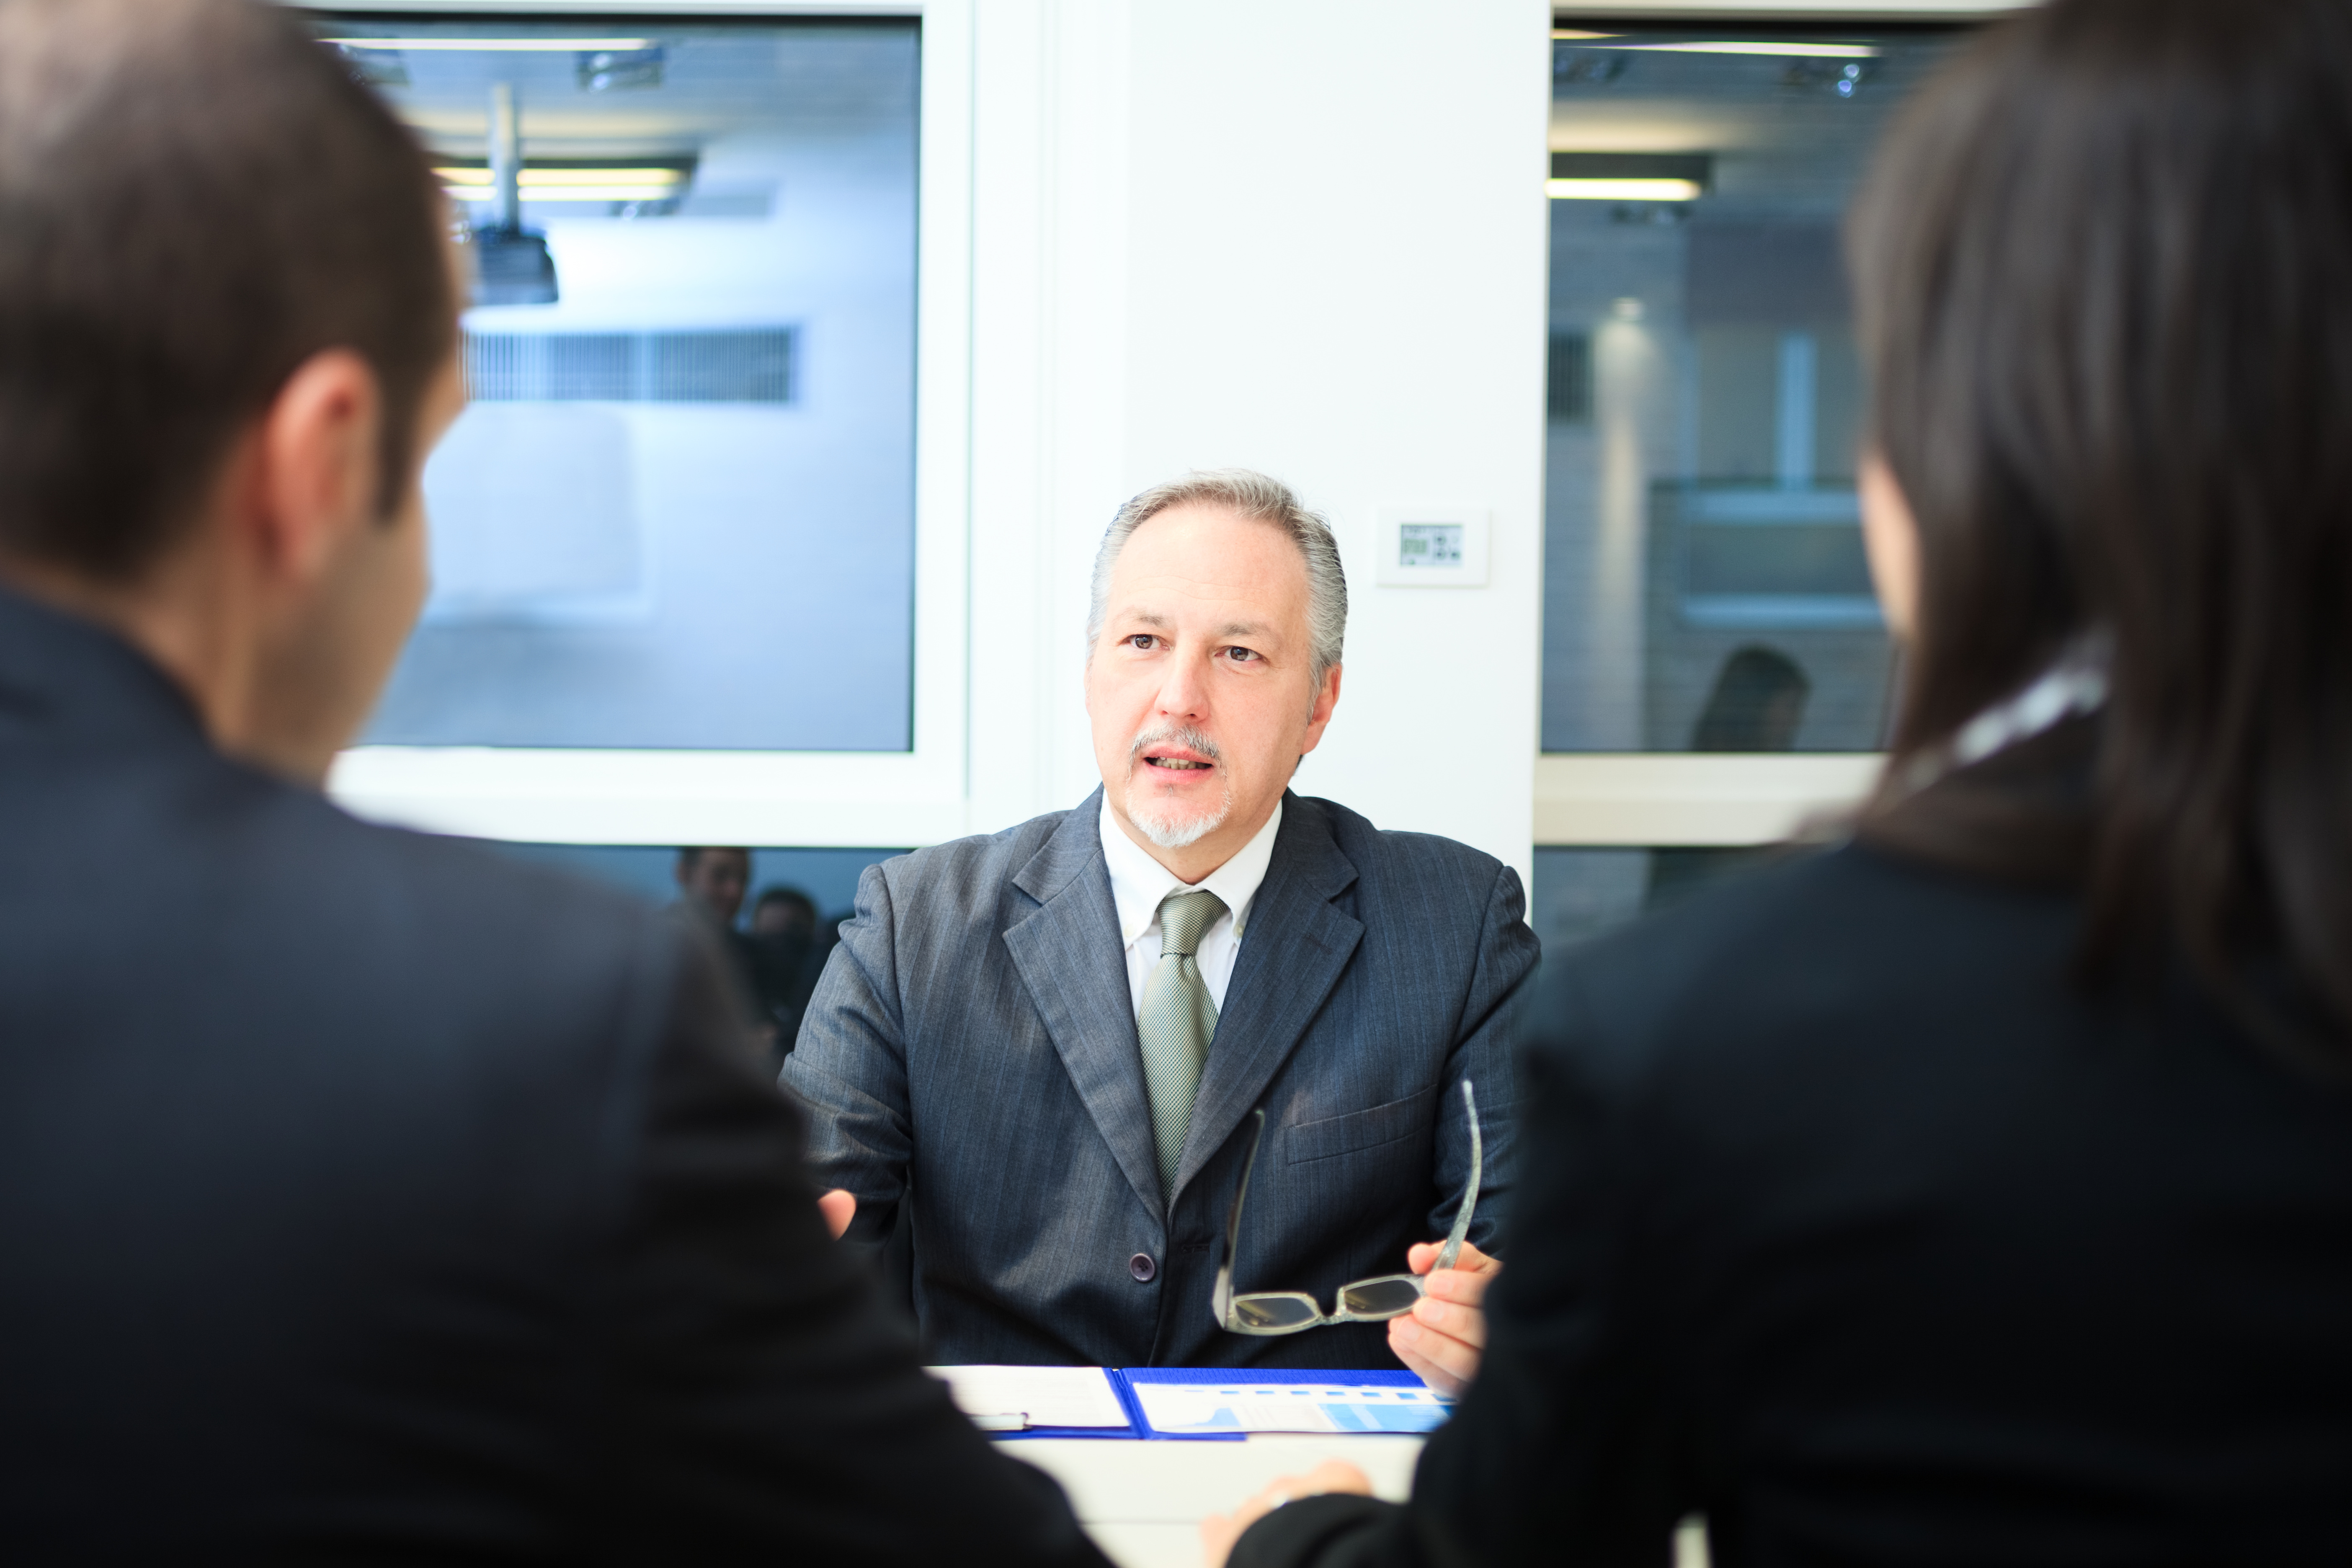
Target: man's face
{"points": [[1201, 686], [715, 878]]}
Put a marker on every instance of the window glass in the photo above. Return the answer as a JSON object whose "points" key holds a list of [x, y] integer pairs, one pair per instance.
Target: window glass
{"points": [[1580, 894], [678, 510], [1705, 587]]}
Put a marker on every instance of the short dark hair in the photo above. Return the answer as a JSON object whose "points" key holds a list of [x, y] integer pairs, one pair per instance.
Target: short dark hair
{"points": [[1757, 705], [194, 198], [792, 895], [691, 855], [2103, 270]]}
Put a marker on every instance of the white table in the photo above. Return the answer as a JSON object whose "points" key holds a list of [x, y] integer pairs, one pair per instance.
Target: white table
{"points": [[1143, 1501]]}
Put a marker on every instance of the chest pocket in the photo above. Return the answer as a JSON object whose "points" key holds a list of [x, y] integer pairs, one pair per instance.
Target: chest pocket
{"points": [[1335, 1135]]}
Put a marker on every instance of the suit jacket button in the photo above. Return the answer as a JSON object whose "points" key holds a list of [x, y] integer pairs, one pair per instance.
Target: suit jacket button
{"points": [[1142, 1267]]}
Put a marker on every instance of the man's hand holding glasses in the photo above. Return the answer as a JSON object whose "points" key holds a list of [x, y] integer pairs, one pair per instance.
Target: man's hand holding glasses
{"points": [[1436, 1314], [1443, 1336]]}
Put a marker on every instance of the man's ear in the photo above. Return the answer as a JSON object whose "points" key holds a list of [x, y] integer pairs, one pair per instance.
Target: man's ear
{"points": [[1327, 700], [317, 463]]}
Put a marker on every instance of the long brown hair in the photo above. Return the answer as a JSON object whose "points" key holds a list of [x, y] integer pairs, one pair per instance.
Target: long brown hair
{"points": [[2105, 275]]}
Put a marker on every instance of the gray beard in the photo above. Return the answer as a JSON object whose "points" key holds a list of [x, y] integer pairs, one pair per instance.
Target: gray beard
{"points": [[1166, 831], [1170, 833]]}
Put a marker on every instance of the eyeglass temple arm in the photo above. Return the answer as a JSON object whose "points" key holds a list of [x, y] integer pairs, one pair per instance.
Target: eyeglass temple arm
{"points": [[1453, 1238], [1221, 1300]]}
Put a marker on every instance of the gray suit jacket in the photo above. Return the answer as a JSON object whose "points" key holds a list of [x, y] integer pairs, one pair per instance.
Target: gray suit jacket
{"points": [[971, 1054]]}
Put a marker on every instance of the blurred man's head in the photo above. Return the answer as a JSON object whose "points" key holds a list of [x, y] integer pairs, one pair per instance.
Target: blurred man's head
{"points": [[1213, 662], [227, 334], [713, 880], [784, 912]]}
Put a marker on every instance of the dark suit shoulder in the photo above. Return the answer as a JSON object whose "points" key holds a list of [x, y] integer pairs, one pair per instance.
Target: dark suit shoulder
{"points": [[980, 858], [971, 882], [1432, 861], [298, 932], [1806, 963], [422, 912]]}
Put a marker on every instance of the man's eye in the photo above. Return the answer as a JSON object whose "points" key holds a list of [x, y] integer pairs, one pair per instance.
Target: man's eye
{"points": [[1142, 640], [1241, 655]]}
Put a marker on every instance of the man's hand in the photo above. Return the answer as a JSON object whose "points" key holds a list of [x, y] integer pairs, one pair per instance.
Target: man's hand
{"points": [[1446, 1333], [839, 1207], [1220, 1530]]}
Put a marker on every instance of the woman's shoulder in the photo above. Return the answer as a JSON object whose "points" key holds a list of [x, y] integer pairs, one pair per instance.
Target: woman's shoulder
{"points": [[1794, 958]]}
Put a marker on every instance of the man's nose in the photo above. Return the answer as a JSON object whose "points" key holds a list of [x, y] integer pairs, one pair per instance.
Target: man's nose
{"points": [[1183, 694]]}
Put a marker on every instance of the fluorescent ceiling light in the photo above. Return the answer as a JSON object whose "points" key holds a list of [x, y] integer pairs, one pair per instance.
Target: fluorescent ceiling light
{"points": [[530, 177], [1743, 47], [1622, 190], [497, 45], [580, 194], [571, 185]]}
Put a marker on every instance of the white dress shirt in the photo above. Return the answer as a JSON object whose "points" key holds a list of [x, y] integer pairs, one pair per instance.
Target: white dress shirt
{"points": [[1139, 883]]}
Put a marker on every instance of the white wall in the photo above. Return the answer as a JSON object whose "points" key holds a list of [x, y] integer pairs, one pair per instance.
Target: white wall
{"points": [[1304, 237]]}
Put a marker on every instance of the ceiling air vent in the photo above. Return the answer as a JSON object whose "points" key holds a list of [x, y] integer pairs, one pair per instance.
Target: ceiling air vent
{"points": [[748, 365]]}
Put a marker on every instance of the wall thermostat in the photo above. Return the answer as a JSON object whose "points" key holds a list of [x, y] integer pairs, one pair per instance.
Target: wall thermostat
{"points": [[1431, 547]]}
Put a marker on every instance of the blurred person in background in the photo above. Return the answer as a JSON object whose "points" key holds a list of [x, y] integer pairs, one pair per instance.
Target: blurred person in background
{"points": [[784, 912], [1758, 705], [784, 960], [1981, 1191], [417, 1206], [713, 882]]}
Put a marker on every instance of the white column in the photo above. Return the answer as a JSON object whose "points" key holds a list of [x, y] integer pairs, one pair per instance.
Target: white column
{"points": [[1628, 374], [1793, 411]]}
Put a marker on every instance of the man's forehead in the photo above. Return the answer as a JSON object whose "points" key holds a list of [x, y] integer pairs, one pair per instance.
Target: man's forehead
{"points": [[1183, 561]]}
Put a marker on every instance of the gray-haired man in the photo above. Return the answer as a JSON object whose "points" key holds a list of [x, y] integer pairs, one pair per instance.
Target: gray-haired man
{"points": [[1035, 1053]]}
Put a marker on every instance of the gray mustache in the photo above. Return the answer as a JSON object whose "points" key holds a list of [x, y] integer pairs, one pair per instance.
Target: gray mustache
{"points": [[1182, 734]]}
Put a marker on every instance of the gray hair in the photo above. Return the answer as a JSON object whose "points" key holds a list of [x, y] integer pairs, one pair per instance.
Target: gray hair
{"points": [[1253, 495]]}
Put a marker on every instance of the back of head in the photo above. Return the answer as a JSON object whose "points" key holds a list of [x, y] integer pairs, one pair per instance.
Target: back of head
{"points": [[2105, 270], [194, 198]]}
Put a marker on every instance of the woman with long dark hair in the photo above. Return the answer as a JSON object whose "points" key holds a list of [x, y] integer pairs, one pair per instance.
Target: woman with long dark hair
{"points": [[1980, 1191]]}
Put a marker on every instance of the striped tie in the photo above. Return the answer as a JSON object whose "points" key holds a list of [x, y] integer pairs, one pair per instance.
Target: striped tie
{"points": [[1176, 1024]]}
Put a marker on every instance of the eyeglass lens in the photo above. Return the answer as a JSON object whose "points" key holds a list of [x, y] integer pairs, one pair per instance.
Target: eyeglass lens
{"points": [[1276, 1313], [1391, 1297]]}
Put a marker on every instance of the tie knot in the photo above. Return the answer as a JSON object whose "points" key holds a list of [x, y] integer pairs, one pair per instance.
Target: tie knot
{"points": [[1183, 917]]}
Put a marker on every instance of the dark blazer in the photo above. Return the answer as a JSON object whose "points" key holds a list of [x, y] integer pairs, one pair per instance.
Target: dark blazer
{"points": [[363, 1196], [974, 1038], [1852, 1221]]}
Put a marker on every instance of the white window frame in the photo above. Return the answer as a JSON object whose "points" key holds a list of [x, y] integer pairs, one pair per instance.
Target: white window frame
{"points": [[1664, 799], [804, 799]]}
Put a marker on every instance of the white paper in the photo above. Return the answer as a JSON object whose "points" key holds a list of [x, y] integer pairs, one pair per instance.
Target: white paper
{"points": [[1047, 1395], [1244, 1407]]}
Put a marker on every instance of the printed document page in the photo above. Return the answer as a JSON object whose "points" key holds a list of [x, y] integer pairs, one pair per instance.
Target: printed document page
{"points": [[1042, 1396], [1243, 1405]]}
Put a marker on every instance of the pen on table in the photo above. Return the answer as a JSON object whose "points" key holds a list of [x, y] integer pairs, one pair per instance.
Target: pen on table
{"points": [[1003, 1421]]}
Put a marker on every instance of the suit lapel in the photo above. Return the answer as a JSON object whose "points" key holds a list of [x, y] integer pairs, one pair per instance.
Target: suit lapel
{"points": [[1294, 951], [1068, 954]]}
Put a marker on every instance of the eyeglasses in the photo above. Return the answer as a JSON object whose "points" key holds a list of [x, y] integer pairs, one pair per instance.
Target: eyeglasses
{"points": [[1372, 1300]]}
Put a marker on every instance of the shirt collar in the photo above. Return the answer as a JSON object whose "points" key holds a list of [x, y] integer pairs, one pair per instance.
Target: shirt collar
{"points": [[1138, 882]]}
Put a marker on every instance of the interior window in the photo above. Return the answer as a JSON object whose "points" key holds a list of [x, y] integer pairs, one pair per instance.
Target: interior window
{"points": [[1705, 588], [679, 509]]}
